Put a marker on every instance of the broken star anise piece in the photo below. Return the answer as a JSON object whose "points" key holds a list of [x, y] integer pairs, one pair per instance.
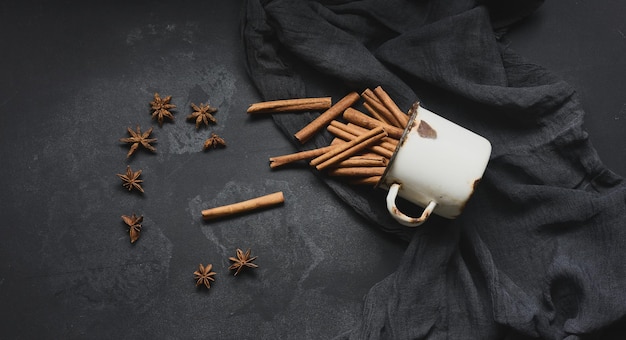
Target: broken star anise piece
{"points": [[204, 275], [203, 113], [137, 138], [161, 108], [131, 180], [214, 141], [134, 225], [242, 260]]}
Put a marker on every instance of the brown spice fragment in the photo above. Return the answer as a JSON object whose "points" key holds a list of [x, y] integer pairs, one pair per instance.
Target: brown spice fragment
{"points": [[137, 138], [161, 107], [204, 275], [214, 141], [242, 260], [131, 180], [203, 113], [134, 225]]}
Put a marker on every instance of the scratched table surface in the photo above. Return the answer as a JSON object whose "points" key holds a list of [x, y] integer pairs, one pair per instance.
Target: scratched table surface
{"points": [[74, 77]]}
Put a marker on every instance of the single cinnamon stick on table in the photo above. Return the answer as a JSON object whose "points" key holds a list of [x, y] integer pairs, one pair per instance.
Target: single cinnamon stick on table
{"points": [[345, 150], [291, 105], [244, 206], [361, 119], [298, 156], [321, 121]]}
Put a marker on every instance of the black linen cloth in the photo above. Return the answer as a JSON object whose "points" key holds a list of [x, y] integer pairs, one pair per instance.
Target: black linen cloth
{"points": [[537, 252]]}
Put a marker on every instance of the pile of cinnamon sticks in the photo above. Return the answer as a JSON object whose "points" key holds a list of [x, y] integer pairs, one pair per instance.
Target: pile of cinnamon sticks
{"points": [[363, 143]]}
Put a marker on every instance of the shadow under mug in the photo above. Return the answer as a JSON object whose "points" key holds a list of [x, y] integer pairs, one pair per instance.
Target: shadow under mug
{"points": [[436, 165]]}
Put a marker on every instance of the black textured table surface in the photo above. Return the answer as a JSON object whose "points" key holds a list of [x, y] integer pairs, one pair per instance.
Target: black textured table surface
{"points": [[74, 77]]}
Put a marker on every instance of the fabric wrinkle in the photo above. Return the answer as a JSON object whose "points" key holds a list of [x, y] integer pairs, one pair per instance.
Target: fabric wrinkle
{"points": [[537, 251]]}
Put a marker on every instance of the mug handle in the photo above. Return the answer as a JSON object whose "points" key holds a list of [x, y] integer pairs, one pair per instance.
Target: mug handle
{"points": [[400, 216]]}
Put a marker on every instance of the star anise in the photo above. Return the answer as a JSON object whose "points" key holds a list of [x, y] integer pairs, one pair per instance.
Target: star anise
{"points": [[161, 107], [131, 179], [203, 114], [242, 260], [134, 225], [204, 275], [137, 138], [214, 141]]}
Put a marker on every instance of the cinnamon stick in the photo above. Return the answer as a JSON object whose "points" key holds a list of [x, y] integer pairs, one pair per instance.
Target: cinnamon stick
{"points": [[347, 136], [379, 108], [365, 154], [298, 156], [387, 142], [373, 180], [291, 105], [343, 151], [333, 112], [362, 161], [244, 206], [361, 119], [361, 129], [374, 113], [359, 171], [391, 105], [336, 141]]}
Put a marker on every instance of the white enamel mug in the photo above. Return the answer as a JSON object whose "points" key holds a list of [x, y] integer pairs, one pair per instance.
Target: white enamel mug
{"points": [[437, 165]]}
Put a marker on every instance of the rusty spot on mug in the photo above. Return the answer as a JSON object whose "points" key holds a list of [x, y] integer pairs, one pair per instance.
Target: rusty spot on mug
{"points": [[462, 206], [475, 184], [413, 123], [424, 130], [413, 109], [414, 220]]}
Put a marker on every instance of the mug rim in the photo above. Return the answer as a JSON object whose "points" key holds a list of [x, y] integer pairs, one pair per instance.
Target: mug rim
{"points": [[413, 115]]}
